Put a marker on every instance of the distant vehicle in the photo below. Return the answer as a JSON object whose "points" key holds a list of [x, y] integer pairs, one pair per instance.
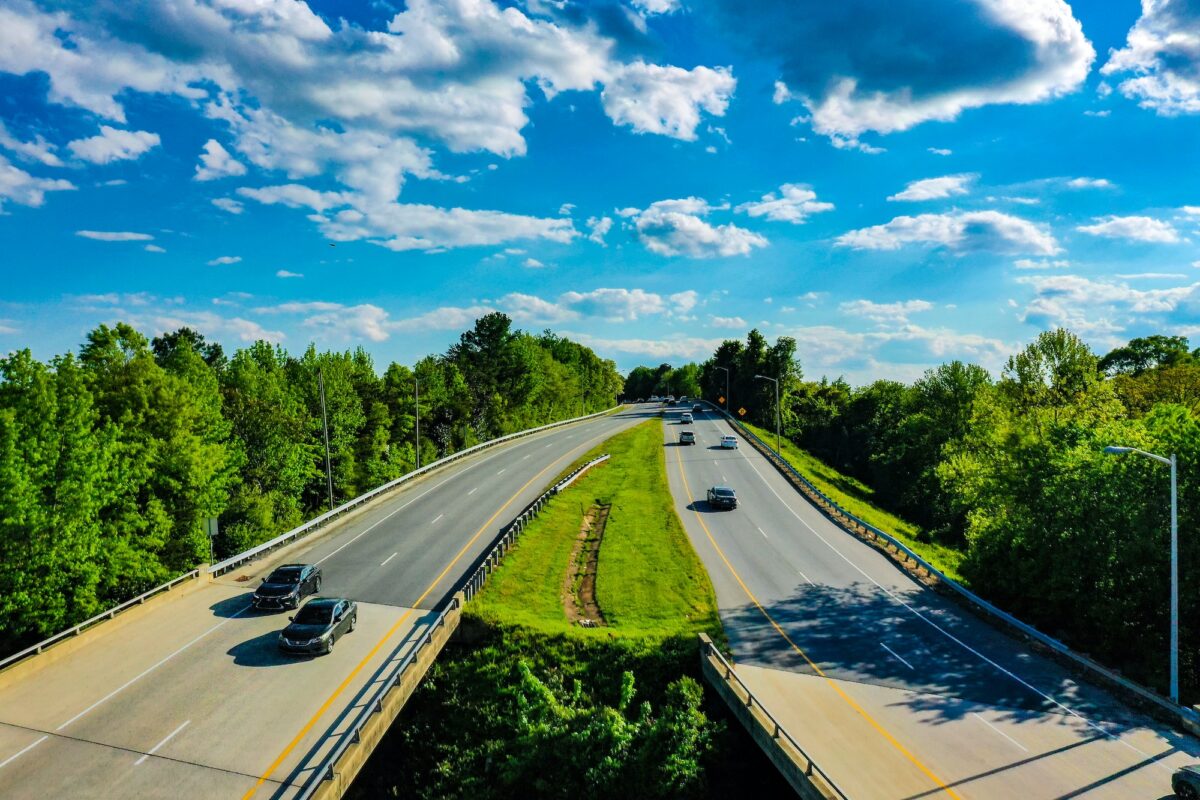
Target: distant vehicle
{"points": [[697, 409], [671, 397], [670, 402], [687, 437], [685, 417], [683, 399], [287, 586], [654, 398], [1186, 782], [318, 625], [729, 443], [722, 497]]}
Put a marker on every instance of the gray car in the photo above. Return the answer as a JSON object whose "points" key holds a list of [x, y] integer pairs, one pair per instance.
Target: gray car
{"points": [[318, 625]]}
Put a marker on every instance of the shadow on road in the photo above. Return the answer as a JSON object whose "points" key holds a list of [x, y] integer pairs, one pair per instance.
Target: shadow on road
{"points": [[262, 651], [237, 606]]}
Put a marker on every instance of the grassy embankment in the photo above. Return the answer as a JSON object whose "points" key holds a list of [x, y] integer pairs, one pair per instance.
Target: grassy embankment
{"points": [[857, 498], [537, 707]]}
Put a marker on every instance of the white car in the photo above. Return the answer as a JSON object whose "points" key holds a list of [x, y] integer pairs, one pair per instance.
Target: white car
{"points": [[685, 417], [729, 442]]}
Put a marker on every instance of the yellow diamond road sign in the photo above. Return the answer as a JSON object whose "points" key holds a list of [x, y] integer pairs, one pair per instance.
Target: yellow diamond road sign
{"points": [[742, 412], [720, 399]]}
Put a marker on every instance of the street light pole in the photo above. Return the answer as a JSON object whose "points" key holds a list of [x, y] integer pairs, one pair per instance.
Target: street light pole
{"points": [[726, 370], [325, 425], [417, 404], [1171, 462], [775, 381]]}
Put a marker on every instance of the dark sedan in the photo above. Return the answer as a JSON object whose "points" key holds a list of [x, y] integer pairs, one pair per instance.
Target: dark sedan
{"points": [[722, 497], [1186, 782], [287, 586], [318, 625]]}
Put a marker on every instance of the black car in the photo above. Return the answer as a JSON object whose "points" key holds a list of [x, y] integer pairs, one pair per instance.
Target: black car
{"points": [[696, 409], [722, 497], [318, 625], [287, 586], [1186, 782]]}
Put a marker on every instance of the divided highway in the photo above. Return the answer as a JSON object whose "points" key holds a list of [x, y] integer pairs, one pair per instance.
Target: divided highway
{"points": [[895, 691], [194, 700]]}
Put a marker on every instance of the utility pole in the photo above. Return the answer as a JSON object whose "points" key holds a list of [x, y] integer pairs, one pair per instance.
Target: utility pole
{"points": [[325, 425], [417, 388], [726, 370]]}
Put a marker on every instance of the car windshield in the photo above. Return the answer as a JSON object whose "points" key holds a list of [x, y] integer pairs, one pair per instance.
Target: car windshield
{"points": [[723, 492], [314, 615], [285, 575]]}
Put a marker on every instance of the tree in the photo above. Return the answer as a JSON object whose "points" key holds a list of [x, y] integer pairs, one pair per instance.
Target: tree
{"points": [[1148, 352]]}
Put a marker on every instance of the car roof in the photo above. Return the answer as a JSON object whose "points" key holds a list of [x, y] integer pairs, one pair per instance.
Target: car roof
{"points": [[326, 601], [722, 488], [729, 436]]}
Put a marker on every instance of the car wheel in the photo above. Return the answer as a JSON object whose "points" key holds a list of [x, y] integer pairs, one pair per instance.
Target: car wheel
{"points": [[329, 647], [354, 622], [317, 586], [1187, 791]]}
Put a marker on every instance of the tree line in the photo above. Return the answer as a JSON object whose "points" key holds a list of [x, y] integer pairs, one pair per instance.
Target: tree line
{"points": [[113, 458], [1011, 470]]}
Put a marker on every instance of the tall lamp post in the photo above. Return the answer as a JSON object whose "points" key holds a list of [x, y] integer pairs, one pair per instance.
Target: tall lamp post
{"points": [[775, 381], [417, 410], [726, 371], [1170, 462]]}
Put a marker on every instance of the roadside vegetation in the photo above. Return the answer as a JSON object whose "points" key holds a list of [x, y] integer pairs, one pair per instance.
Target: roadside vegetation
{"points": [[1002, 480], [534, 706], [112, 458]]}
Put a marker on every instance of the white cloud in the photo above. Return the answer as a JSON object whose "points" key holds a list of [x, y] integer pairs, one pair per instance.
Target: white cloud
{"points": [[1090, 183], [224, 260], [284, 273], [666, 100], [683, 347], [882, 79], [1099, 307], [1135, 276], [38, 150], [529, 309], [599, 227], [653, 7], [532, 263], [114, 145], [960, 231], [936, 188], [885, 313], [1029, 263], [1161, 58], [940, 151], [228, 204], [216, 162], [727, 322], [153, 248], [115, 236], [19, 186], [675, 227], [565, 209], [1138, 228], [683, 302], [616, 305], [794, 204]]}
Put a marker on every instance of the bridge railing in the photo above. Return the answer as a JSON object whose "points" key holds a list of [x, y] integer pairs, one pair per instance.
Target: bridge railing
{"points": [[1189, 716]]}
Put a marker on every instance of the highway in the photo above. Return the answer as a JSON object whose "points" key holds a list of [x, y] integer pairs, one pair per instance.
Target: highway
{"points": [[194, 700], [894, 690]]}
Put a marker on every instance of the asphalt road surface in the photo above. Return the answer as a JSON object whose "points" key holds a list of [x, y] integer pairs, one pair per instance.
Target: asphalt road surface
{"points": [[194, 700], [893, 690]]}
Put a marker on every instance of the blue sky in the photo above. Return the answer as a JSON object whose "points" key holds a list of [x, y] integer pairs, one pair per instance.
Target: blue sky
{"points": [[894, 186]]}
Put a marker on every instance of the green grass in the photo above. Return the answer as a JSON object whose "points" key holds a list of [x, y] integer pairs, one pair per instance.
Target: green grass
{"points": [[649, 580], [857, 498]]}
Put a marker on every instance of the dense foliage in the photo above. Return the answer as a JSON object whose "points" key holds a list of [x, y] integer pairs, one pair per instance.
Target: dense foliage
{"points": [[112, 459], [1011, 471]]}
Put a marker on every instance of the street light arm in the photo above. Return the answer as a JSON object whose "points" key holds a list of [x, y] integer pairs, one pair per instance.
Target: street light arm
{"points": [[1113, 450]]}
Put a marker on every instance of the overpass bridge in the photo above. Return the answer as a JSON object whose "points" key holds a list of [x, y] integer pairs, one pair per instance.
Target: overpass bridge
{"points": [[193, 699]]}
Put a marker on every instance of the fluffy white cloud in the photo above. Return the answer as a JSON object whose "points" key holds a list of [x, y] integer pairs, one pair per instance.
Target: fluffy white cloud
{"points": [[1161, 58], [19, 186], [960, 231], [652, 7], [1100, 307], [727, 322], [153, 248], [285, 273], [794, 204], [940, 151], [113, 144], [532, 263], [616, 305], [115, 236], [675, 227], [1138, 228], [221, 260], [665, 100], [683, 302], [1028, 263], [599, 227], [1090, 183], [683, 347], [529, 309], [922, 61], [936, 188], [37, 150], [885, 313], [216, 162], [228, 204]]}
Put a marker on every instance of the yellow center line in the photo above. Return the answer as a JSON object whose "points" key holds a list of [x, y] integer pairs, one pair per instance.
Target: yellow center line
{"points": [[892, 740], [392, 630]]}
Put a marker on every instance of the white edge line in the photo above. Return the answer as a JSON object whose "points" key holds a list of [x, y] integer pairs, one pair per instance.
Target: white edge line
{"points": [[898, 657], [435, 519], [389, 558], [22, 751], [473, 491], [997, 730], [764, 533], [156, 747]]}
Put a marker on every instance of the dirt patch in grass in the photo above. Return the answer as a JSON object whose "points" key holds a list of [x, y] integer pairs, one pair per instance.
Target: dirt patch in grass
{"points": [[579, 588]]}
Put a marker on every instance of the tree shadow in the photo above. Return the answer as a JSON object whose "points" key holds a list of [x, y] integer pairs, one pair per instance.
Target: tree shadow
{"points": [[262, 651]]}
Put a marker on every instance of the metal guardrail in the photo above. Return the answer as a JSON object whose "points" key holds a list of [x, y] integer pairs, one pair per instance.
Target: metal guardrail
{"points": [[101, 617], [317, 522], [469, 589], [1089, 664], [710, 649]]}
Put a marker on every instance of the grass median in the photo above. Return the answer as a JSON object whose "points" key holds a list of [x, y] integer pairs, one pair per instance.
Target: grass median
{"points": [[858, 498]]}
